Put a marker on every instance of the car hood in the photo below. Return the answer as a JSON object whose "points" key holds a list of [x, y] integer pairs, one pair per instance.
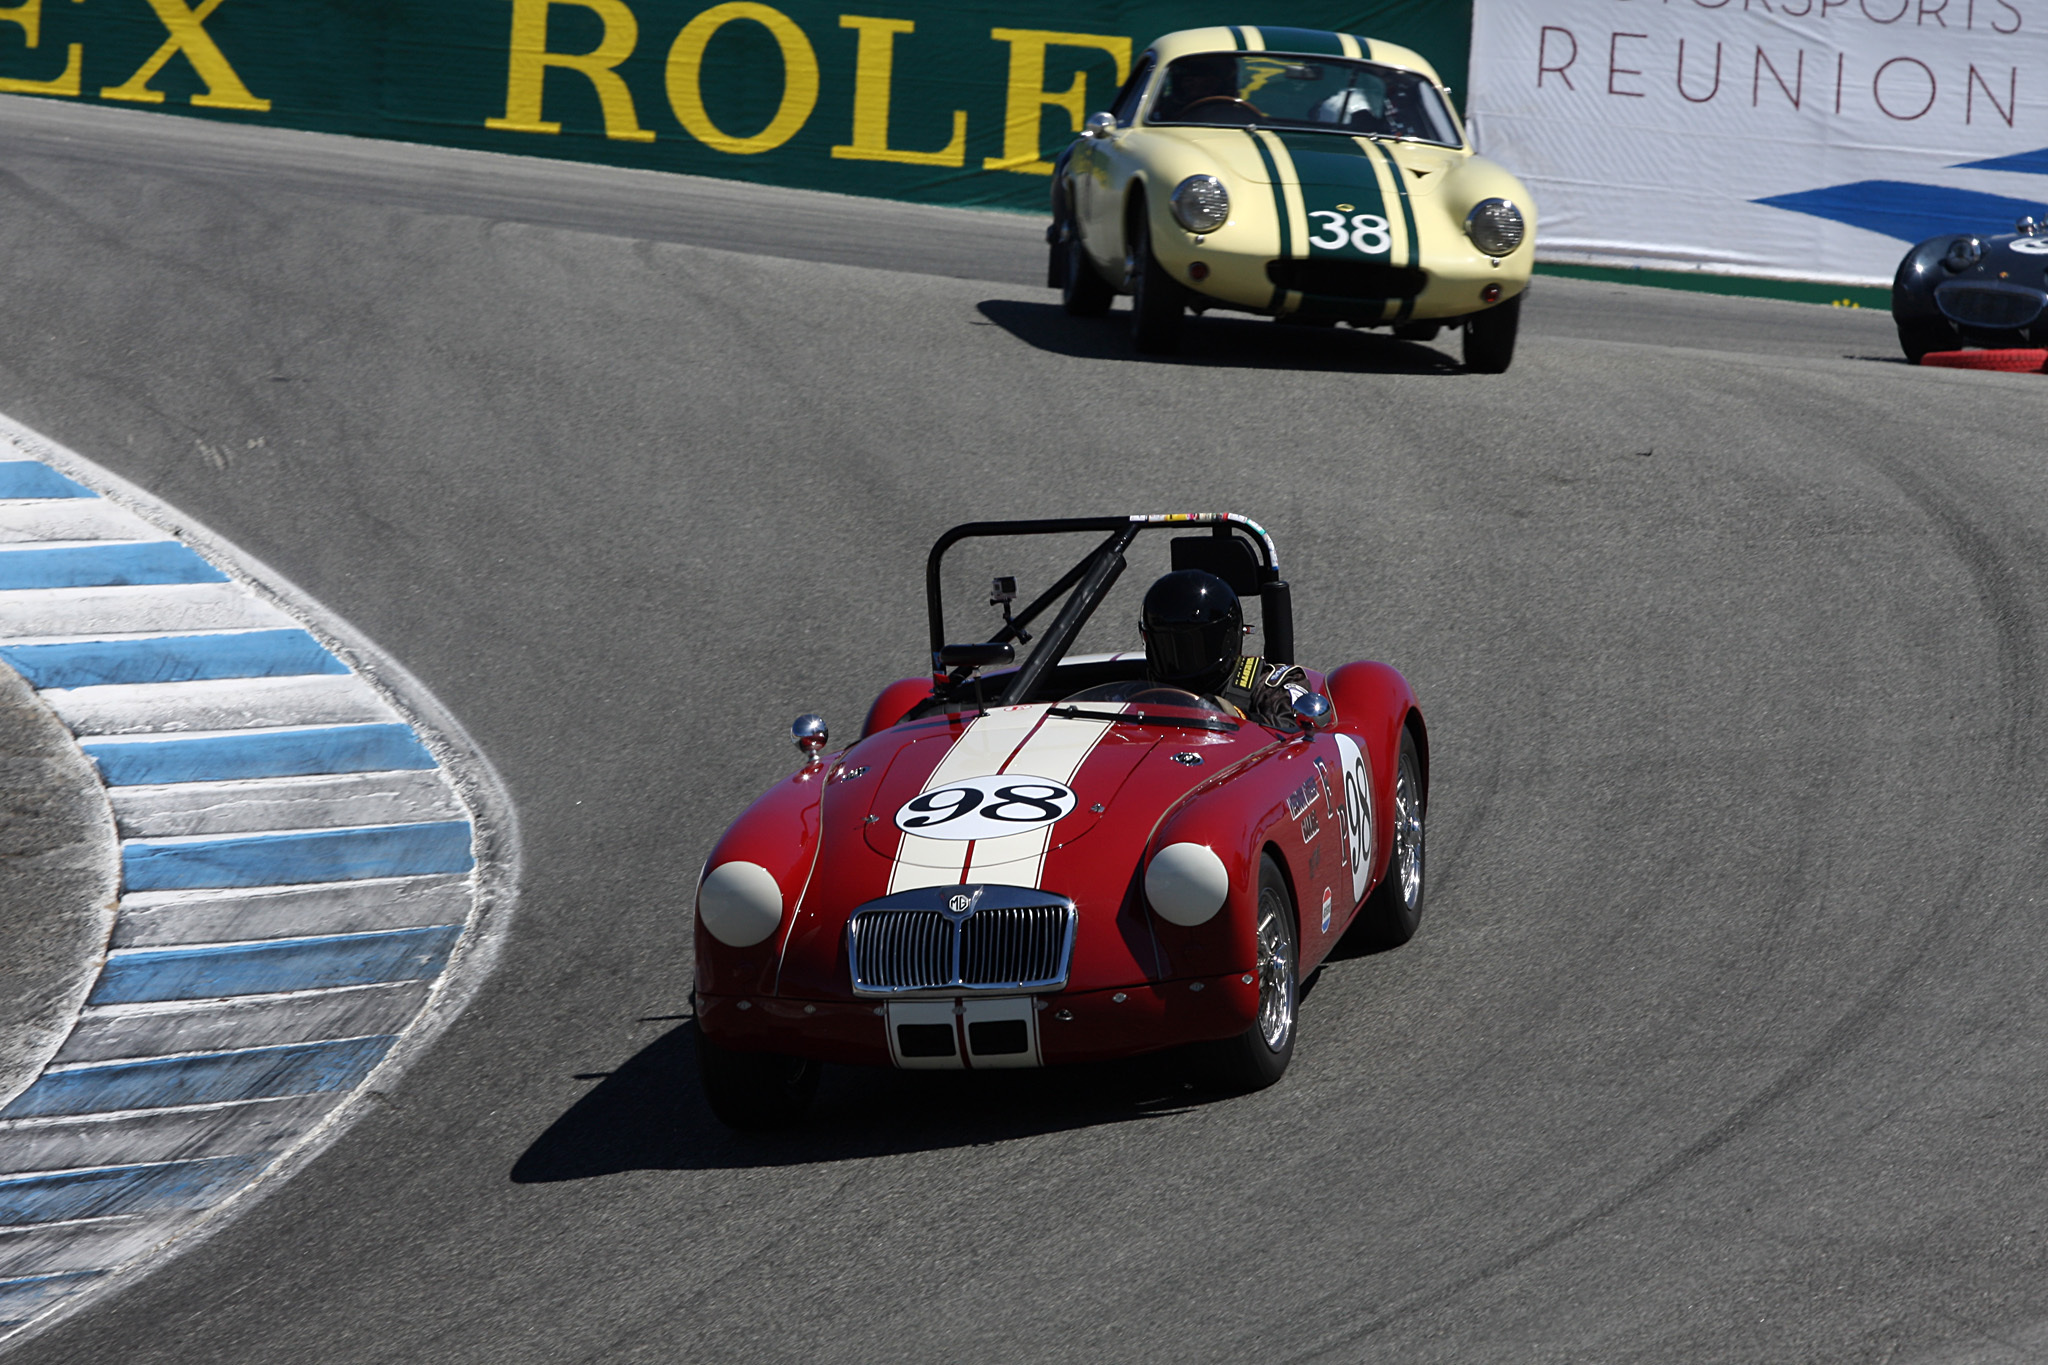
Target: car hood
{"points": [[888, 823]]}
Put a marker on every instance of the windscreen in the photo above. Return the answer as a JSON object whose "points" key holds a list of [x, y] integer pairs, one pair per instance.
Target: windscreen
{"points": [[1320, 94]]}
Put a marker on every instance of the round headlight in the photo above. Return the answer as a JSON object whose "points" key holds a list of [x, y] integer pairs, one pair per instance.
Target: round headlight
{"points": [[1495, 226], [1963, 253], [1187, 884], [1201, 203], [739, 903]]}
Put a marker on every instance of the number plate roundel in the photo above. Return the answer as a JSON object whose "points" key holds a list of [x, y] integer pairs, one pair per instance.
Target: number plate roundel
{"points": [[986, 807]]}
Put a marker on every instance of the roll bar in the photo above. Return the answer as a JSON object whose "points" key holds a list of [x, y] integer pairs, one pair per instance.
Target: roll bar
{"points": [[1089, 581]]}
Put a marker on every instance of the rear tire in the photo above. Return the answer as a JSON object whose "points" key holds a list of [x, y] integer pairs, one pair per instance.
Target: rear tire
{"points": [[1394, 909], [1919, 336], [1084, 293], [753, 1091], [1259, 1056], [1490, 337], [1157, 300]]}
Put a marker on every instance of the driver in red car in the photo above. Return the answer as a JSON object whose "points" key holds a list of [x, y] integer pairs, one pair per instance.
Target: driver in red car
{"points": [[1193, 628]]}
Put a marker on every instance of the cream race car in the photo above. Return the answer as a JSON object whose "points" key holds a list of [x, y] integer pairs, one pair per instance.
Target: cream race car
{"points": [[1311, 177]]}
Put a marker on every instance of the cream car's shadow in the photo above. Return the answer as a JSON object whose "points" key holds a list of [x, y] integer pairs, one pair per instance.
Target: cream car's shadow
{"points": [[1224, 339]]}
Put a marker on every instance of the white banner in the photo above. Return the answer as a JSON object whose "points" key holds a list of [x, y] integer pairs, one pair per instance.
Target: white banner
{"points": [[1792, 139]]}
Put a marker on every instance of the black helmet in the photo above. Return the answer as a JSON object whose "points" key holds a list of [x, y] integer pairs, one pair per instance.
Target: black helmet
{"points": [[1193, 627]]}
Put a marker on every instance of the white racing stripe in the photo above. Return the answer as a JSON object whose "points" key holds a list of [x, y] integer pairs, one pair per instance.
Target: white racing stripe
{"points": [[1057, 751], [984, 747], [1019, 740]]}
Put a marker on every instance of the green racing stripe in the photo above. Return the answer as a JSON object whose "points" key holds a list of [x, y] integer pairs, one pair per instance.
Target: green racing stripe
{"points": [[1407, 220], [1279, 207], [1310, 42]]}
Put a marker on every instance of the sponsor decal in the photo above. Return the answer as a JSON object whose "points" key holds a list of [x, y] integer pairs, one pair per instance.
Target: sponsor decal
{"points": [[1298, 800], [1329, 899], [1310, 828]]}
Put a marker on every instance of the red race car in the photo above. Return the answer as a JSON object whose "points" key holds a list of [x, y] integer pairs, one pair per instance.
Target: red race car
{"points": [[1072, 858]]}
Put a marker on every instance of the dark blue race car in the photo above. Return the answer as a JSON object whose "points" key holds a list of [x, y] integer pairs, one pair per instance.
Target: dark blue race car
{"points": [[1960, 290]]}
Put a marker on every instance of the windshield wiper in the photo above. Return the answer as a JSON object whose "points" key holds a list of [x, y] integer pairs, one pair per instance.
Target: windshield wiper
{"points": [[1141, 718]]}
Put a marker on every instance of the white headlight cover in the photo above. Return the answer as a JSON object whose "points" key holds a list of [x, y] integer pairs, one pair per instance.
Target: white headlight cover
{"points": [[1495, 226], [1201, 203], [1186, 884], [740, 904]]}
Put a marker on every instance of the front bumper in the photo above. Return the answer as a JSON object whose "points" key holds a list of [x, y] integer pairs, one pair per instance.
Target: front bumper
{"points": [[1443, 286], [1068, 1026]]}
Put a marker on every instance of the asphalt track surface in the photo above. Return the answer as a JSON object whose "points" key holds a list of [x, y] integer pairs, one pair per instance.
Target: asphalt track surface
{"points": [[1723, 1038]]}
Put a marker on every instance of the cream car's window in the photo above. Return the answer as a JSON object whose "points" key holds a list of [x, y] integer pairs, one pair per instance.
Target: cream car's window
{"points": [[1321, 94]]}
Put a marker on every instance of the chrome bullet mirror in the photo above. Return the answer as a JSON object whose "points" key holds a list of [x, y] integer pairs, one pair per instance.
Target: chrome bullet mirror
{"points": [[1100, 125], [1313, 710], [809, 734]]}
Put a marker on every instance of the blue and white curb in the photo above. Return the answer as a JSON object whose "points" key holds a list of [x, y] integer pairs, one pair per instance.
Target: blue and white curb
{"points": [[315, 865]]}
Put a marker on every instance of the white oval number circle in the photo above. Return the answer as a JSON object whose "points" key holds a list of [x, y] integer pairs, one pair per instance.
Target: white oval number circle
{"points": [[2032, 246], [1357, 780], [991, 807]]}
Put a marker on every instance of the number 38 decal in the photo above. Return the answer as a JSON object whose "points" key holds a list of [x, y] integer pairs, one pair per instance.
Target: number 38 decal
{"points": [[1368, 232], [986, 807]]}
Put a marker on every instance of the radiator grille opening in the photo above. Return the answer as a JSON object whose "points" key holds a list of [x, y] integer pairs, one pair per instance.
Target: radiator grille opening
{"points": [[1348, 279], [905, 948], [1996, 307]]}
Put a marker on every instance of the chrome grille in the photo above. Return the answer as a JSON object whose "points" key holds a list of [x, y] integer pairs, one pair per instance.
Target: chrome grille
{"points": [[985, 938], [1998, 307], [1020, 943], [902, 950]]}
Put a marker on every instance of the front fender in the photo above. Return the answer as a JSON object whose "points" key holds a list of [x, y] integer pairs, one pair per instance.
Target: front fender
{"points": [[1913, 283], [1375, 703], [1236, 819], [780, 833], [894, 704]]}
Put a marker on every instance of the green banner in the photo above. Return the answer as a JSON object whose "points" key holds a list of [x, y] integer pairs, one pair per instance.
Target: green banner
{"points": [[955, 103]]}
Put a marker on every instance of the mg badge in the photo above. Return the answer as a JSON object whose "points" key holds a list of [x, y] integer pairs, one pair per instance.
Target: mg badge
{"points": [[958, 905]]}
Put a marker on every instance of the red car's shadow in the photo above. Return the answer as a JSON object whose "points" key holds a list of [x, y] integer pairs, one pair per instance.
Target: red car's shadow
{"points": [[650, 1114], [1224, 339]]}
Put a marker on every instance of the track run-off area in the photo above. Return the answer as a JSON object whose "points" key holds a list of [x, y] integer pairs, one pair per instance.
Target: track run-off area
{"points": [[1725, 1035]]}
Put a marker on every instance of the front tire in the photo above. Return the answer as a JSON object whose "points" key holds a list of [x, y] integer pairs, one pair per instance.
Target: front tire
{"points": [[1157, 300], [1918, 337], [1394, 910], [1259, 1056], [1084, 293], [1490, 337], [754, 1091]]}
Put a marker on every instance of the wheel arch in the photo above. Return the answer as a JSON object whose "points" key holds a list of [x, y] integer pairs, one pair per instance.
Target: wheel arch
{"points": [[1412, 724]]}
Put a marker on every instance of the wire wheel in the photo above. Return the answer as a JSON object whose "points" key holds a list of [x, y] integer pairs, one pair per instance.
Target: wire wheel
{"points": [[1394, 910], [1276, 969], [1259, 1056]]}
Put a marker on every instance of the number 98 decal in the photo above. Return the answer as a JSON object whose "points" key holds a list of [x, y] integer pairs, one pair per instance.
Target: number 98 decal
{"points": [[986, 807], [1357, 782]]}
